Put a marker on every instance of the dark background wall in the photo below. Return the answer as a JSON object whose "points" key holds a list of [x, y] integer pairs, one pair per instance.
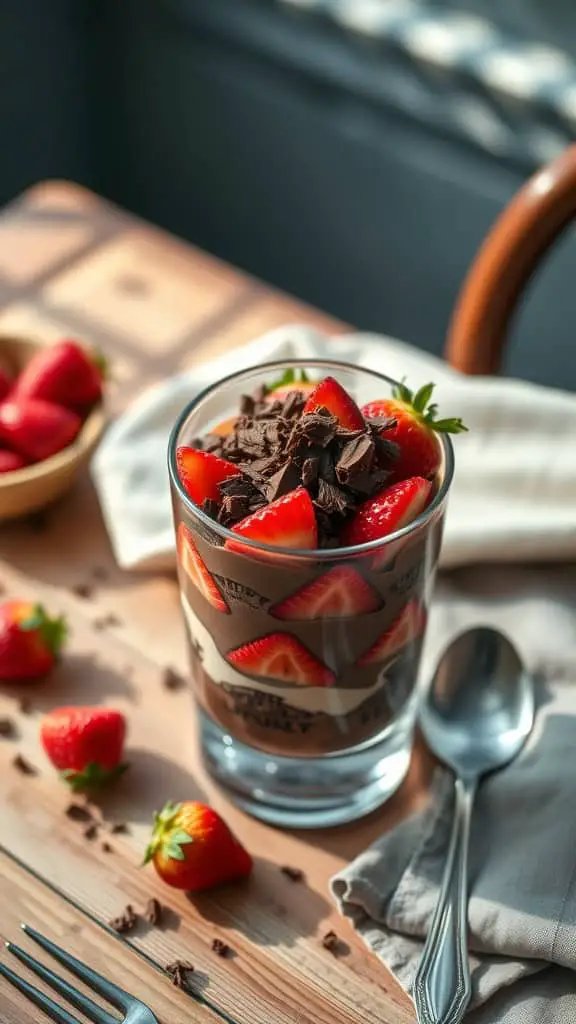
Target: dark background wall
{"points": [[277, 143]]}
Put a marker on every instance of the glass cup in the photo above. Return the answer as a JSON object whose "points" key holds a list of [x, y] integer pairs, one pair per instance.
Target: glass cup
{"points": [[336, 747]]}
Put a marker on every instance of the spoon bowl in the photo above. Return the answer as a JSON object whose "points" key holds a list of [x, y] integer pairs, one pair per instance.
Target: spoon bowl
{"points": [[480, 707]]}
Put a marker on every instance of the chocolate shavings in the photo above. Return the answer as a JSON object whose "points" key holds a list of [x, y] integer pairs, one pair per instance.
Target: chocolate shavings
{"points": [[221, 948], [294, 874], [23, 766], [153, 911], [125, 922], [7, 729], [178, 970]]}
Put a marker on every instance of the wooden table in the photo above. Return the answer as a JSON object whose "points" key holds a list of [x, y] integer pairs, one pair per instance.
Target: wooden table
{"points": [[72, 264]]}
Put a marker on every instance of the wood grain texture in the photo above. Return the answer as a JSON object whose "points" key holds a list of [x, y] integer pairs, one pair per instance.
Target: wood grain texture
{"points": [[125, 629]]}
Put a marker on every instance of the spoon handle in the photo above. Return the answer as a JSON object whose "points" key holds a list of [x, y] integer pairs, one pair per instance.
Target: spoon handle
{"points": [[442, 987]]}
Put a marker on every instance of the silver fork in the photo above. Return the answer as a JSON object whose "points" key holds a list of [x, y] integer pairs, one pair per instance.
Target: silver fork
{"points": [[134, 1012]]}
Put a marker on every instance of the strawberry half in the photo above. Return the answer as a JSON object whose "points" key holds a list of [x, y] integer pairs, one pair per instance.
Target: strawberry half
{"points": [[194, 566], [340, 592], [85, 744], [330, 395], [193, 849], [414, 431], [10, 461], [281, 656], [37, 429], [393, 508], [409, 625], [288, 522], [201, 473], [65, 374]]}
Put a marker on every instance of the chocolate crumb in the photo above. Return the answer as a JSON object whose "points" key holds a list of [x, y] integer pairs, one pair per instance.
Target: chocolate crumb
{"points": [[153, 911], [120, 829], [210, 508], [247, 405], [221, 948], [91, 831], [78, 812], [125, 922], [7, 729], [178, 970], [24, 766], [331, 942], [285, 479], [172, 680], [106, 848], [83, 590], [107, 621], [294, 874], [25, 705]]}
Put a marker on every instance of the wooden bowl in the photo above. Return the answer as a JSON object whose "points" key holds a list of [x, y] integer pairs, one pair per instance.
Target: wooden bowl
{"points": [[29, 489]]}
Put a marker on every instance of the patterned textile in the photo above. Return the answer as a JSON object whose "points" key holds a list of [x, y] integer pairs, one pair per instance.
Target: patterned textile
{"points": [[512, 98]]}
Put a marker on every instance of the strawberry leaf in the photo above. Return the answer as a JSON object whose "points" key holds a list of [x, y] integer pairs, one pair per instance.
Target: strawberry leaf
{"points": [[174, 851], [98, 359], [290, 376], [92, 776], [449, 426], [181, 837], [422, 397], [402, 393], [52, 631]]}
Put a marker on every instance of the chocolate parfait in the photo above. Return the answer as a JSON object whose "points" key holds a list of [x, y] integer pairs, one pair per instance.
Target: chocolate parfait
{"points": [[305, 616]]}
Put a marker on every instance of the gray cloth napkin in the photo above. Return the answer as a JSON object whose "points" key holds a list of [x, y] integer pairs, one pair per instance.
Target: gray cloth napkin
{"points": [[522, 912]]}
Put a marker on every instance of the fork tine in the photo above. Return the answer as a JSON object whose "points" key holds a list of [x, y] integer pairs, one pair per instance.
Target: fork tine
{"points": [[55, 1012], [117, 996], [81, 1002]]}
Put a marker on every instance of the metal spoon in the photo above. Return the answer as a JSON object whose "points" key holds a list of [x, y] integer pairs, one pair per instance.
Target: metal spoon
{"points": [[476, 718]]}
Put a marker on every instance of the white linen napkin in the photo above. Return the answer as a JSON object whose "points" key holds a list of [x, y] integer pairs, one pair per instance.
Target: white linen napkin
{"points": [[514, 492]]}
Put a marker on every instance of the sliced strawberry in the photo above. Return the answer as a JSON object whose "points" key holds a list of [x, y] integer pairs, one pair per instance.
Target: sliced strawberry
{"points": [[281, 656], [193, 564], [337, 593], [201, 473], [329, 394], [409, 625], [288, 522], [393, 508]]}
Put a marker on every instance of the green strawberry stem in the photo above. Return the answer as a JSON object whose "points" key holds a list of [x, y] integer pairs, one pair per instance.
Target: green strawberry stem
{"points": [[166, 835], [52, 630], [99, 360], [93, 776], [419, 403], [290, 376]]}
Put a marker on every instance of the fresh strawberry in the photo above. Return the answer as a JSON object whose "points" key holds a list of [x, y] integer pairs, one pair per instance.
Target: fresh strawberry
{"points": [[390, 510], [283, 390], [329, 394], [37, 429], [194, 566], [281, 656], [65, 374], [415, 430], [193, 849], [341, 591], [9, 461], [30, 640], [85, 744], [201, 473], [6, 383], [409, 625], [288, 522]]}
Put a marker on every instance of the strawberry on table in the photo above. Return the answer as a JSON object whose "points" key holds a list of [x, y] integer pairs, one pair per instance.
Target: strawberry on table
{"points": [[330, 395], [281, 656], [30, 641], [388, 511], [192, 848], [65, 374], [9, 461], [201, 473], [37, 429], [409, 625], [415, 430], [85, 744], [341, 591], [194, 566], [288, 522]]}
